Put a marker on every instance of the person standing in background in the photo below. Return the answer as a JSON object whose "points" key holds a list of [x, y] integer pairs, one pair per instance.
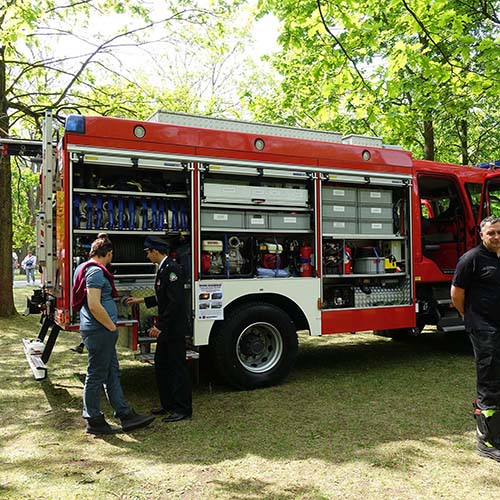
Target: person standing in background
{"points": [[15, 265], [28, 264]]}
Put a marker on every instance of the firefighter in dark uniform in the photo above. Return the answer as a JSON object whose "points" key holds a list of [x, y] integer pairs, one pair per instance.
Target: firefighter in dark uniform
{"points": [[172, 376], [475, 292]]}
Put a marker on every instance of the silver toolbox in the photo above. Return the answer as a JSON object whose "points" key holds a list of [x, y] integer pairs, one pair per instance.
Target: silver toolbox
{"points": [[255, 195], [225, 193], [374, 197], [256, 221], [382, 213], [339, 211], [372, 227], [293, 197], [290, 221], [335, 226], [369, 265], [339, 194], [222, 218], [383, 295]]}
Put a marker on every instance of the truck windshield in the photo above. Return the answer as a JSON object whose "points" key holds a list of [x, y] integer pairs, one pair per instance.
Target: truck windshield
{"points": [[493, 198]]}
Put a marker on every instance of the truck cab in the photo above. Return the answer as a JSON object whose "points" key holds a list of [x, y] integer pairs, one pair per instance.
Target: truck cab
{"points": [[447, 201]]}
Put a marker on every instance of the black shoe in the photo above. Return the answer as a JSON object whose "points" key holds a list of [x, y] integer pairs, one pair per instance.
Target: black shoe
{"points": [[487, 450], [158, 411], [175, 417], [134, 420], [78, 348], [99, 426]]}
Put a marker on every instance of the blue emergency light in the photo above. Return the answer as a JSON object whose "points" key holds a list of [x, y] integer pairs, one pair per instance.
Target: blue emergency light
{"points": [[75, 123], [492, 164]]}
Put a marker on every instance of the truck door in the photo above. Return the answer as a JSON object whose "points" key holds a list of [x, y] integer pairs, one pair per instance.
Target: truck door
{"points": [[490, 199], [442, 221]]}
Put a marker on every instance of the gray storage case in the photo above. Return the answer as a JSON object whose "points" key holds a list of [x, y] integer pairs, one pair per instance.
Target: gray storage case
{"points": [[380, 213], [339, 195], [373, 197], [372, 227], [335, 226], [256, 221], [290, 221], [222, 219], [339, 211]]}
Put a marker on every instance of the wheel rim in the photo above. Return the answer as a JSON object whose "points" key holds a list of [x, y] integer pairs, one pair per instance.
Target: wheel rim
{"points": [[259, 347]]}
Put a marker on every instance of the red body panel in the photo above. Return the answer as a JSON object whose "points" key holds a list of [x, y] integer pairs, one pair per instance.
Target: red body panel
{"points": [[118, 133], [380, 318]]}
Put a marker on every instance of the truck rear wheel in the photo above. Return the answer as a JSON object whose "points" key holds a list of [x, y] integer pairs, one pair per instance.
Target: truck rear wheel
{"points": [[255, 346]]}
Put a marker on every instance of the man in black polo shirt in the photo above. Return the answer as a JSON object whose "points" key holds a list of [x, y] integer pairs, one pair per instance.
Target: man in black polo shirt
{"points": [[475, 292]]}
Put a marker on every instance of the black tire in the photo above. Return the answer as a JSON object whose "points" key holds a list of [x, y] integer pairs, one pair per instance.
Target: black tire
{"points": [[255, 346]]}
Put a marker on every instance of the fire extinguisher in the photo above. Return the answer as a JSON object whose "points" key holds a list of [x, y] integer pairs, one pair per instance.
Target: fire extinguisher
{"points": [[205, 262], [305, 268], [347, 260]]}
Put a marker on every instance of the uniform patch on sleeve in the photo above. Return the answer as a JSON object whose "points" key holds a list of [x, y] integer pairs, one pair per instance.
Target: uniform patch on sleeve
{"points": [[172, 277]]}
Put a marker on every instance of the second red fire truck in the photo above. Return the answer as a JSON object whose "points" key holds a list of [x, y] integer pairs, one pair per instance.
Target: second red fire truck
{"points": [[282, 231]]}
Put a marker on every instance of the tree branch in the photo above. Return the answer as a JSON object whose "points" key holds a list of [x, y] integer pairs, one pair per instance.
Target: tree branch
{"points": [[427, 34], [342, 48]]}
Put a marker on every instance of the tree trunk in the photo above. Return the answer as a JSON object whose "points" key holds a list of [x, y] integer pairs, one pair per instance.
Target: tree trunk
{"points": [[429, 152], [7, 307], [464, 142]]}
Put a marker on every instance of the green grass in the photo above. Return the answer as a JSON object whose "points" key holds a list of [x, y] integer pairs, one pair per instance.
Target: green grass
{"points": [[361, 417]]}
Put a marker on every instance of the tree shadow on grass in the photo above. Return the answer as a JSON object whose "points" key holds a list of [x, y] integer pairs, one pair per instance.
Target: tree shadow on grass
{"points": [[343, 401], [254, 489], [348, 398]]}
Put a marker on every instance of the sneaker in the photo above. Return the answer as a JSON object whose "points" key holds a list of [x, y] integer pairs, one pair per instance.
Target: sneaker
{"points": [[487, 450], [135, 420], [99, 426]]}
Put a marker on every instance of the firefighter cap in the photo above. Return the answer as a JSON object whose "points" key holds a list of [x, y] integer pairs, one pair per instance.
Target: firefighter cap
{"points": [[156, 243]]}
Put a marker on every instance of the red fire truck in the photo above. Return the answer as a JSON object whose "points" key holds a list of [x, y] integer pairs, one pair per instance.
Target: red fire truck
{"points": [[282, 231]]}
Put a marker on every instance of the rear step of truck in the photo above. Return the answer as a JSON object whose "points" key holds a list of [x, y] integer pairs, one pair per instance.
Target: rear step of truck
{"points": [[146, 356], [451, 324], [149, 357]]}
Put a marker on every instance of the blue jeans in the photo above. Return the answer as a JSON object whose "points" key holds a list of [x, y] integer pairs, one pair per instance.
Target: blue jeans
{"points": [[30, 272], [103, 372]]}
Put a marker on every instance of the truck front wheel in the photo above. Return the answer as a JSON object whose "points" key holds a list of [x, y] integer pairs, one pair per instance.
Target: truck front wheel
{"points": [[255, 346]]}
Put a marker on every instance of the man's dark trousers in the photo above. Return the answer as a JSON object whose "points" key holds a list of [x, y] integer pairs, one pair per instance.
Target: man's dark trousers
{"points": [[486, 345], [172, 375]]}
